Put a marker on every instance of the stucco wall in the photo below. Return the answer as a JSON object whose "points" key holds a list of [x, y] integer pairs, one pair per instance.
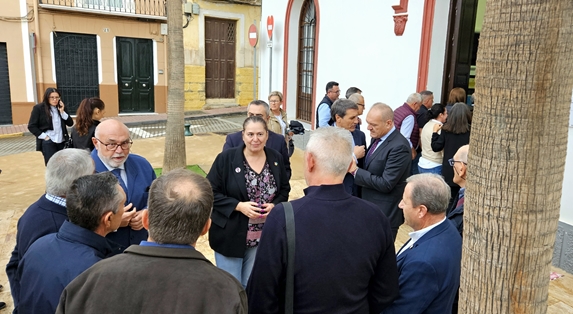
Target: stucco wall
{"points": [[16, 37], [194, 43]]}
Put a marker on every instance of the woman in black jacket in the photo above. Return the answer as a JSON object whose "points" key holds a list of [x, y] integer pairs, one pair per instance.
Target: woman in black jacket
{"points": [[48, 122], [247, 182], [90, 111], [455, 134]]}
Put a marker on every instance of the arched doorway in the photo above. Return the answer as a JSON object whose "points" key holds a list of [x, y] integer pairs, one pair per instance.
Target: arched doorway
{"points": [[306, 61]]}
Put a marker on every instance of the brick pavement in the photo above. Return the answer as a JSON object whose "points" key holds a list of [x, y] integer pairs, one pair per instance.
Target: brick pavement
{"points": [[22, 129]]}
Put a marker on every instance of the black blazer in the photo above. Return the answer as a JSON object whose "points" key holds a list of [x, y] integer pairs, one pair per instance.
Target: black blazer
{"points": [[41, 122], [84, 141], [275, 141], [228, 232], [383, 177]]}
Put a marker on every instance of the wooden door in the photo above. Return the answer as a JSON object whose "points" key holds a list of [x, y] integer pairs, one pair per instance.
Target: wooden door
{"points": [[76, 62], [460, 46], [135, 74], [5, 102], [220, 37]]}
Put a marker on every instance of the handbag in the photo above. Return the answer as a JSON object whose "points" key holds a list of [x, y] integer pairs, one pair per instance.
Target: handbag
{"points": [[68, 142], [290, 234]]}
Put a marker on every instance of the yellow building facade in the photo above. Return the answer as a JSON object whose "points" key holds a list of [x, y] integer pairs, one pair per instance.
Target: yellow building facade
{"points": [[218, 57], [117, 50]]}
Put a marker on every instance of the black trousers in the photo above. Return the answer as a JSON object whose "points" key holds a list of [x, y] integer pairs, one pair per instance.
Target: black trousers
{"points": [[49, 148]]}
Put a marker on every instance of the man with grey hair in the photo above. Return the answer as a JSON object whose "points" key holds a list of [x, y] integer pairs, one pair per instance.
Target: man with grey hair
{"points": [[275, 141], [164, 274], [429, 262], [352, 90], [427, 102], [405, 121], [48, 213], [344, 252], [95, 205]]}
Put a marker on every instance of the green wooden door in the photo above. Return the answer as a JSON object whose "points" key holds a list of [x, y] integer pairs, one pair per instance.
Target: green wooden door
{"points": [[135, 74]]}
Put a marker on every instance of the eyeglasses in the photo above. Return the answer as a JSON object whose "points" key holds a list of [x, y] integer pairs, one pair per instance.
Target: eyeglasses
{"points": [[451, 161], [274, 101], [360, 105], [113, 146], [57, 98]]}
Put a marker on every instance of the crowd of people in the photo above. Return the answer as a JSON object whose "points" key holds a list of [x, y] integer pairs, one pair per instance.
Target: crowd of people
{"points": [[331, 251]]}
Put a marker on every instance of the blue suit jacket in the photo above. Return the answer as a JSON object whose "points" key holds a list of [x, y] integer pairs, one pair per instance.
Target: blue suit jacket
{"points": [[140, 174], [429, 272], [41, 218], [53, 261], [275, 141]]}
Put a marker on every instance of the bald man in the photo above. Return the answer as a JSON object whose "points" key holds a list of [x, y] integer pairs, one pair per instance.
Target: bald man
{"points": [[134, 173]]}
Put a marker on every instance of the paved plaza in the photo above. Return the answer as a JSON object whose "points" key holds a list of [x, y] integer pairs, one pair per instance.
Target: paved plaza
{"points": [[22, 183]]}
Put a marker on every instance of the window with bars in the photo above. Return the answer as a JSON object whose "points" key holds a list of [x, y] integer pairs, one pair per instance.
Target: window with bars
{"points": [[305, 76], [76, 67]]}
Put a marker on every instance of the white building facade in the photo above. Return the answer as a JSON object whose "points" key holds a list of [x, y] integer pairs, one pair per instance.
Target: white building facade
{"points": [[363, 44]]}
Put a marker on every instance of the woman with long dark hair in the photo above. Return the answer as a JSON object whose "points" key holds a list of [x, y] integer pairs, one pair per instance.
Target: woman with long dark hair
{"points": [[455, 134], [48, 122], [90, 111], [431, 161]]}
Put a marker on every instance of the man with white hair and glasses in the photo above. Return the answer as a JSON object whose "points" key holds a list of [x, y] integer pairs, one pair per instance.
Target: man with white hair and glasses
{"points": [[134, 173]]}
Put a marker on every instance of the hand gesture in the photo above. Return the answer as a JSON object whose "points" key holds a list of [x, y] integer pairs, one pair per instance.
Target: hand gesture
{"points": [[359, 151], [127, 215], [250, 209], [136, 222]]}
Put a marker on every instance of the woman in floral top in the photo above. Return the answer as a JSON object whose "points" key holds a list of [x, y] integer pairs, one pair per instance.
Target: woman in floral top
{"points": [[247, 182]]}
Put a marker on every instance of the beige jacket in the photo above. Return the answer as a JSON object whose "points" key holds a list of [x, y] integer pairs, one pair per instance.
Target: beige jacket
{"points": [[274, 124]]}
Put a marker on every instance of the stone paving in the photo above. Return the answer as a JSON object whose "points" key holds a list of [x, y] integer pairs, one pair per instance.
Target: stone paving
{"points": [[22, 182]]}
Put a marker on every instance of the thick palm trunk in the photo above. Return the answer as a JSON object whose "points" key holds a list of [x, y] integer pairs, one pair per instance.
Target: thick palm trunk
{"points": [[517, 155], [174, 153]]}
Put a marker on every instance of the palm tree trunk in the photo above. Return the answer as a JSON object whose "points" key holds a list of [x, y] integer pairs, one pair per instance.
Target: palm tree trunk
{"points": [[174, 153], [524, 80]]}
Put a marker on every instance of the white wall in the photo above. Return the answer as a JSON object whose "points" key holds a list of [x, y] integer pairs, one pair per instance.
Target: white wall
{"points": [[438, 48], [567, 197], [357, 47]]}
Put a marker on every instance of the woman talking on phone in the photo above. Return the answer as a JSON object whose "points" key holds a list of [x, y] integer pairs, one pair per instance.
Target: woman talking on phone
{"points": [[48, 122]]}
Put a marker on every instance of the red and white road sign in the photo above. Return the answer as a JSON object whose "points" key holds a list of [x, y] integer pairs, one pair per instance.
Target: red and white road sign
{"points": [[253, 36], [270, 26]]}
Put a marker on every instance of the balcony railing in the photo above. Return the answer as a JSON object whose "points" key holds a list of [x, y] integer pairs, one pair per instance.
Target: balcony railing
{"points": [[135, 8]]}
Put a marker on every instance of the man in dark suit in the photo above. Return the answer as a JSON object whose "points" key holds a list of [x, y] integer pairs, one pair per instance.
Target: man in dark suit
{"points": [[358, 136], [344, 260], [95, 205], [429, 263], [344, 112], [275, 141], [386, 166], [48, 213], [134, 173], [164, 274]]}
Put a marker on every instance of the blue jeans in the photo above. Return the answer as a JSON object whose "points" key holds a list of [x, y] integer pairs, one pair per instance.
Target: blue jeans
{"points": [[436, 170], [240, 268]]}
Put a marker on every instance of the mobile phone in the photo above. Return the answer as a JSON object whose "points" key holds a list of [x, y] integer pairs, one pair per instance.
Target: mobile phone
{"points": [[59, 104]]}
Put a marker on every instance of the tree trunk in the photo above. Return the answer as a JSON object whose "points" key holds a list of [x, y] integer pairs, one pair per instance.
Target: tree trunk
{"points": [[174, 153], [517, 155]]}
